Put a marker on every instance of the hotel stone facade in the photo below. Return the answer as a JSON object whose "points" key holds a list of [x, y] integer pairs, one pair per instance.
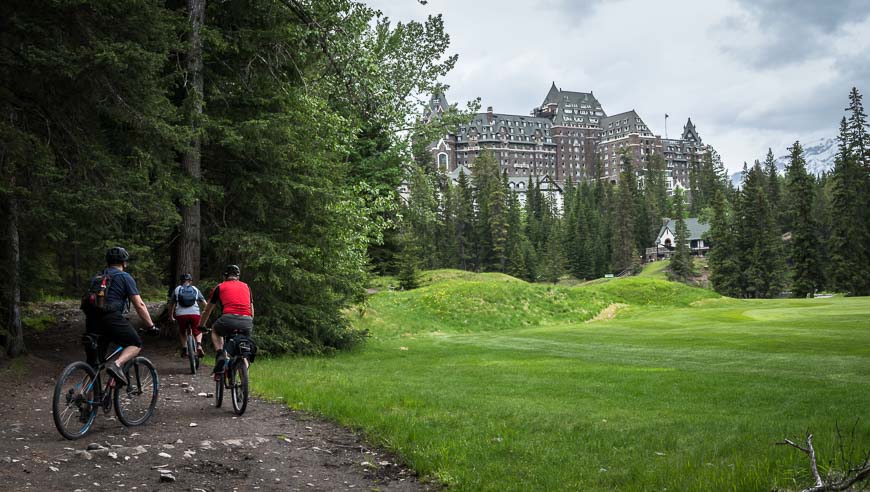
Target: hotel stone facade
{"points": [[567, 136]]}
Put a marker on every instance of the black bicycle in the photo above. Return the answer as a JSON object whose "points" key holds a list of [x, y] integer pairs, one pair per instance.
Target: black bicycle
{"points": [[193, 356], [239, 351], [79, 393]]}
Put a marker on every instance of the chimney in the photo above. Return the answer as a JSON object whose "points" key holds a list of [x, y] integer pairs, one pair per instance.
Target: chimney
{"points": [[489, 113]]}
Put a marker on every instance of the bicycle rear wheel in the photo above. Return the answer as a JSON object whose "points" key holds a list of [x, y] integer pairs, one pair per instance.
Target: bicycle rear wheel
{"points": [[240, 386], [135, 401], [191, 353], [218, 390], [73, 407]]}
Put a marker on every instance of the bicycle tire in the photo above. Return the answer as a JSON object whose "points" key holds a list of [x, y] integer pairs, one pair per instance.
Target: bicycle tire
{"points": [[137, 381], [191, 353], [218, 390], [60, 413], [240, 386]]}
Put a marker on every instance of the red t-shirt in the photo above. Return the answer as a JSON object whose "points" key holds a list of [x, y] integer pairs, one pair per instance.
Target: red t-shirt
{"points": [[234, 297]]}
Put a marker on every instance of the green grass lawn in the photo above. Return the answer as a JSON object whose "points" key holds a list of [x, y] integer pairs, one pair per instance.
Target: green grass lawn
{"points": [[489, 383], [655, 269]]}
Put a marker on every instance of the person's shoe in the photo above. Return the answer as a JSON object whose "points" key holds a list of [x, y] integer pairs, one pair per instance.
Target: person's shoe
{"points": [[199, 351], [218, 366], [183, 352], [117, 373]]}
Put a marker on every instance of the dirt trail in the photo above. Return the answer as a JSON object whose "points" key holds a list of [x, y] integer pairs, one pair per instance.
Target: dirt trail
{"points": [[269, 448]]}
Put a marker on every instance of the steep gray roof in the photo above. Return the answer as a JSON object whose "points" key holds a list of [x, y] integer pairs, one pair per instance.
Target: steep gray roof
{"points": [[696, 229], [623, 124], [552, 95], [571, 107], [690, 133], [522, 126]]}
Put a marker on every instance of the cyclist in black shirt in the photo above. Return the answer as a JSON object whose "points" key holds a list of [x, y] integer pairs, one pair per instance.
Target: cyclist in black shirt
{"points": [[111, 323]]}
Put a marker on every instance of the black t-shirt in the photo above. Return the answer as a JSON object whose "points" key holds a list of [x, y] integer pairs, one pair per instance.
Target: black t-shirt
{"points": [[122, 287]]}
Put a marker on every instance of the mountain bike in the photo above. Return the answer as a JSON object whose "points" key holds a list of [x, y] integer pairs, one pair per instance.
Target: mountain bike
{"points": [[193, 356], [239, 350], [80, 392]]}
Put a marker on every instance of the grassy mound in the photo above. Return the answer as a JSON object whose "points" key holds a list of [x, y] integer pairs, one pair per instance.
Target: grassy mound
{"points": [[656, 269], [463, 302]]}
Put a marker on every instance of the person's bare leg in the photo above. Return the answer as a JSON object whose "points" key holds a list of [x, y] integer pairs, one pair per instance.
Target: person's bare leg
{"points": [[217, 341], [127, 354]]}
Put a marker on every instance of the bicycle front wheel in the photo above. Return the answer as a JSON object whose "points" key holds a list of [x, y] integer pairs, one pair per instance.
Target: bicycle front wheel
{"points": [[191, 353], [135, 402], [240, 386], [73, 406]]}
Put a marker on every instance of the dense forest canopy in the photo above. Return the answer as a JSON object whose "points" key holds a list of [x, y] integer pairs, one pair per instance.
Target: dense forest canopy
{"points": [[268, 133]]}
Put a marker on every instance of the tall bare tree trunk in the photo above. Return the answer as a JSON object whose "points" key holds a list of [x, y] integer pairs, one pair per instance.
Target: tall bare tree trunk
{"points": [[189, 244], [16, 333]]}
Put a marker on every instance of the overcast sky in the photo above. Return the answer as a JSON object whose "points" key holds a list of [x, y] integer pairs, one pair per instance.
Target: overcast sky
{"points": [[751, 74]]}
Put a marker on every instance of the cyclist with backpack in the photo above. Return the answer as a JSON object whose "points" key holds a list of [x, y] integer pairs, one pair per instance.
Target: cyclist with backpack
{"points": [[237, 311], [185, 306], [109, 297]]}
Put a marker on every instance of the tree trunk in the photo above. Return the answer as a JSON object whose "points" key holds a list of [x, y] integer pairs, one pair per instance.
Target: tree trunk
{"points": [[16, 333], [189, 245]]}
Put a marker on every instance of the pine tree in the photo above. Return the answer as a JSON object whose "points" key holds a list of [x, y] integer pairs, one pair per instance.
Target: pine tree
{"points": [[758, 239], [552, 264], [656, 197], [804, 252], [497, 197], [847, 246], [624, 217], [774, 186], [681, 262], [516, 265], [465, 240], [421, 215], [723, 257], [448, 253], [409, 263]]}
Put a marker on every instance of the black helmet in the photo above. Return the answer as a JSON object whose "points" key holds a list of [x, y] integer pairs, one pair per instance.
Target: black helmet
{"points": [[186, 276], [232, 271], [117, 255]]}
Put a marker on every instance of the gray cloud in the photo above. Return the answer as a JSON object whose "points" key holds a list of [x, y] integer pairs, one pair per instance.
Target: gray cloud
{"points": [[790, 31], [751, 75]]}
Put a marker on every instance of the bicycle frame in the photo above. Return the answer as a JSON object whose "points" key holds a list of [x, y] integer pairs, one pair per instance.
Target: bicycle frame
{"points": [[101, 394]]}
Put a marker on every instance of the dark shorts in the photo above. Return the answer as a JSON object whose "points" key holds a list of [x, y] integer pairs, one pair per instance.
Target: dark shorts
{"points": [[228, 323], [114, 328]]}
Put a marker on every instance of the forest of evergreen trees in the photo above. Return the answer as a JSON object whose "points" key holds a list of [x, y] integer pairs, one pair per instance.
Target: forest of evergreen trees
{"points": [[196, 133], [794, 233], [275, 133]]}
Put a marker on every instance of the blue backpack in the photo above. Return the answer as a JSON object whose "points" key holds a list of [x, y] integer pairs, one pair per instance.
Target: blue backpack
{"points": [[187, 296]]}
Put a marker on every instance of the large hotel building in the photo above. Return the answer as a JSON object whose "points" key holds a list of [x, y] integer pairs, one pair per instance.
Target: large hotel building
{"points": [[565, 137]]}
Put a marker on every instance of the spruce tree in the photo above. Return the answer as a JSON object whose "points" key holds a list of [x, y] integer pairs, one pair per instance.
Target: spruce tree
{"points": [[681, 262], [465, 240], [804, 244], [625, 216], [409, 262], [498, 222], [774, 186], [758, 239], [723, 257], [849, 230]]}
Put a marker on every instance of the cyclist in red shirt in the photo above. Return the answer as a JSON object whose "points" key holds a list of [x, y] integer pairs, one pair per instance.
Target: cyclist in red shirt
{"points": [[237, 311]]}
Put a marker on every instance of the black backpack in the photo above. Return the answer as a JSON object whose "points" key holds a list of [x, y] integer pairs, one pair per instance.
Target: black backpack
{"points": [[241, 345], [186, 296], [95, 299]]}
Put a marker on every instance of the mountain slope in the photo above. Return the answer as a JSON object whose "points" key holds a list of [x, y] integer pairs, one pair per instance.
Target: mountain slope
{"points": [[819, 155]]}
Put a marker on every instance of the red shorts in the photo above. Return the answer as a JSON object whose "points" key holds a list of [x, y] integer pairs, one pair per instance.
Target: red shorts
{"points": [[188, 320]]}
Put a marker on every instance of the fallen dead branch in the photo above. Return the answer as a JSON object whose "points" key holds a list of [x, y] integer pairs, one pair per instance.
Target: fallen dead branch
{"points": [[853, 476]]}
